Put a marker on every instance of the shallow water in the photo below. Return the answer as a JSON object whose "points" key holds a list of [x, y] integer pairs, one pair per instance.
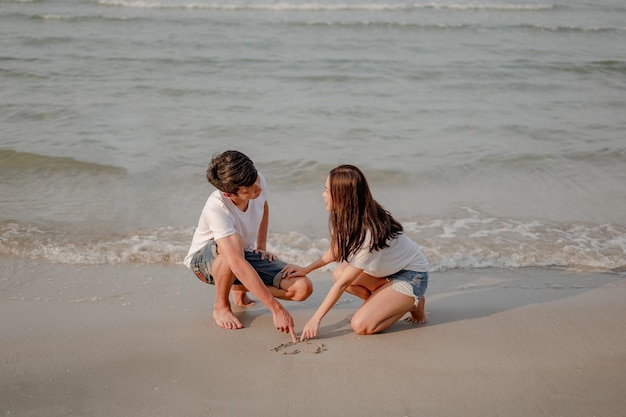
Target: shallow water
{"points": [[492, 130]]}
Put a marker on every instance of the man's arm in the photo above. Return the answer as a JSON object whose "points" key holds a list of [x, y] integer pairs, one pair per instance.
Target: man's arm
{"points": [[261, 240], [231, 247]]}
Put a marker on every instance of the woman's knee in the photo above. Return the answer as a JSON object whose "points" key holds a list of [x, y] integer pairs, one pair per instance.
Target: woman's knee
{"points": [[359, 326]]}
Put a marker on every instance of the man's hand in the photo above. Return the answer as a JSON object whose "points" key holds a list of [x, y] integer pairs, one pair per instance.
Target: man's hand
{"points": [[284, 323], [265, 254]]}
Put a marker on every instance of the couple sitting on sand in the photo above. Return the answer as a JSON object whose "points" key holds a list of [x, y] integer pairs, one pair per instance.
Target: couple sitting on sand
{"points": [[377, 262]]}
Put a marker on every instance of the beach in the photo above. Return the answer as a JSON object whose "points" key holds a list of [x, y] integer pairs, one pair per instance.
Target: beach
{"points": [[493, 131], [527, 342]]}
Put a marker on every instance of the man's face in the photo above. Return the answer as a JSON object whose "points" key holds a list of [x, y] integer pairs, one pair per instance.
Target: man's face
{"points": [[252, 192]]}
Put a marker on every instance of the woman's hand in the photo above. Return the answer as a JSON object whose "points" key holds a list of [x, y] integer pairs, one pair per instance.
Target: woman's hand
{"points": [[291, 271], [310, 330]]}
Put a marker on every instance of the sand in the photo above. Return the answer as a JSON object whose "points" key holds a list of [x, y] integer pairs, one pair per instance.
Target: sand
{"points": [[138, 340]]}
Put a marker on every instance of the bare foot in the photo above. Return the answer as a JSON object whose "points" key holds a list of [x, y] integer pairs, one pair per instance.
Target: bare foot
{"points": [[418, 315], [225, 319], [241, 298]]}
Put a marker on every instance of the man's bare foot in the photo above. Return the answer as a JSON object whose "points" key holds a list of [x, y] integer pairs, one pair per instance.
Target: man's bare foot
{"points": [[241, 298], [225, 319], [418, 314]]}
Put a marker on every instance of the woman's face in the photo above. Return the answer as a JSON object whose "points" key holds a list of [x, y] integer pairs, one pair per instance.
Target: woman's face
{"points": [[326, 194]]}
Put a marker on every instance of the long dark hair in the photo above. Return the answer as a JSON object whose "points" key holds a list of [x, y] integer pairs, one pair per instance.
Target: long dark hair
{"points": [[355, 212]]}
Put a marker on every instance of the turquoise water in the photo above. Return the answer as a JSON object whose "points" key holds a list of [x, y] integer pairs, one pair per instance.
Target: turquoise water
{"points": [[494, 130]]}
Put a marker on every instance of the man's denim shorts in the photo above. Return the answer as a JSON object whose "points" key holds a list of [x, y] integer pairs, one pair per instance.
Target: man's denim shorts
{"points": [[269, 271], [410, 283]]}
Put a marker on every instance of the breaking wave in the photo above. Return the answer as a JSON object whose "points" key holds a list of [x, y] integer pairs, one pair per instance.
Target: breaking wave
{"points": [[471, 241]]}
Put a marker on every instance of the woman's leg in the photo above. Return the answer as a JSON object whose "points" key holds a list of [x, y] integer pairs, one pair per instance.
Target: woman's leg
{"points": [[385, 307], [363, 286], [418, 314]]}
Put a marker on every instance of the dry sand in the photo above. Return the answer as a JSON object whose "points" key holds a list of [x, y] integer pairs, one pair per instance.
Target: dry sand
{"points": [[140, 341]]}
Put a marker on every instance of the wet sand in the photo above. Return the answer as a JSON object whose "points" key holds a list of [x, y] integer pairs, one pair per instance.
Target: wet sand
{"points": [[137, 340]]}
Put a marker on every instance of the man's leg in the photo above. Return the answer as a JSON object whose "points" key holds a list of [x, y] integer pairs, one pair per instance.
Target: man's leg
{"points": [[240, 296], [224, 278], [293, 289], [271, 273]]}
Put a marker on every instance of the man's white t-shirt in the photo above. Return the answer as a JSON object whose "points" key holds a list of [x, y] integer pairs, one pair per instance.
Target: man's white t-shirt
{"points": [[402, 253], [221, 218]]}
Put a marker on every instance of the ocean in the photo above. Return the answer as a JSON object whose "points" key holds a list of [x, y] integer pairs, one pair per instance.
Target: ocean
{"points": [[494, 130]]}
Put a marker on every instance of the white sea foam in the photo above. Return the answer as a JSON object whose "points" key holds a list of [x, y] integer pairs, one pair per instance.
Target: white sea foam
{"points": [[475, 241]]}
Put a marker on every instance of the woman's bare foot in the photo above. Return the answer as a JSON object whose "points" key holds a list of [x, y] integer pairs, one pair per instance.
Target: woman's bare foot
{"points": [[241, 298], [418, 314], [225, 319]]}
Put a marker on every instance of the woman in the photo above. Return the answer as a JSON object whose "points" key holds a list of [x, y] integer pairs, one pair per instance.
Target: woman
{"points": [[377, 262]]}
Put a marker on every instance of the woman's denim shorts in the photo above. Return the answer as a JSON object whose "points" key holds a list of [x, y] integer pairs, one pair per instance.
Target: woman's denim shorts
{"points": [[410, 283], [269, 271]]}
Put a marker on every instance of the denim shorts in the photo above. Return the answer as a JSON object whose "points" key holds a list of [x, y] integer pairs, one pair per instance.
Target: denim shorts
{"points": [[410, 283], [269, 271]]}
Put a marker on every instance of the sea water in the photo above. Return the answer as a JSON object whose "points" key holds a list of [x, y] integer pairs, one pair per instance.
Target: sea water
{"points": [[494, 130]]}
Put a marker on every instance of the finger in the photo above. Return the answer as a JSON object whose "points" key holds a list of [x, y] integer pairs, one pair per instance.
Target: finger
{"points": [[294, 338]]}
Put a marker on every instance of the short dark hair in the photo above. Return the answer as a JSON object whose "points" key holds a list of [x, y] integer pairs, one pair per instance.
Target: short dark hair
{"points": [[231, 170]]}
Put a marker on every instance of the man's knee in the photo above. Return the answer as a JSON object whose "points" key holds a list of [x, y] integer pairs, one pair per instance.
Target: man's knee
{"points": [[300, 290]]}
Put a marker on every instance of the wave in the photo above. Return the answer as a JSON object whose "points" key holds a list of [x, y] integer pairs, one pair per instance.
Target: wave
{"points": [[459, 26], [315, 6], [570, 28], [607, 67], [82, 18], [6, 73], [391, 25], [22, 161], [464, 242]]}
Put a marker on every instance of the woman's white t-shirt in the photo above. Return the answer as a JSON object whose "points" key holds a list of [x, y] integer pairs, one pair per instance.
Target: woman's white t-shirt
{"points": [[402, 253], [221, 218]]}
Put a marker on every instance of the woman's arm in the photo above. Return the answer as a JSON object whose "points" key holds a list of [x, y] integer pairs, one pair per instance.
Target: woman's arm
{"points": [[291, 271], [348, 276]]}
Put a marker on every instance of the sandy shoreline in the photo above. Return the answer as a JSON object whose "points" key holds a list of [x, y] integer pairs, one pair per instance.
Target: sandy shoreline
{"points": [[139, 341]]}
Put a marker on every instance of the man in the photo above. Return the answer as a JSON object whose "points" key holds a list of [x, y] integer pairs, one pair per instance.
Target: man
{"points": [[229, 245]]}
